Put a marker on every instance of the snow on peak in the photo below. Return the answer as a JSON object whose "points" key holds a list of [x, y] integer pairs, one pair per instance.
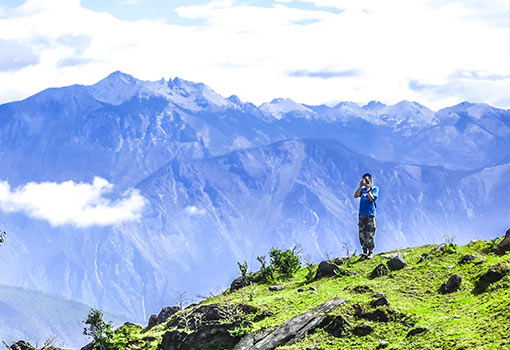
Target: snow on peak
{"points": [[403, 115], [195, 96], [115, 88], [473, 110], [281, 106], [374, 105]]}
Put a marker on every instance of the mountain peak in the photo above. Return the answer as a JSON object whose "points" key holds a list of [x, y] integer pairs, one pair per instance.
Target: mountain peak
{"points": [[115, 88], [281, 106]]}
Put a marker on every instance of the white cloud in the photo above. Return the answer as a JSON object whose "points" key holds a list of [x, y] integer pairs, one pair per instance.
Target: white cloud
{"points": [[249, 50], [192, 210], [79, 204]]}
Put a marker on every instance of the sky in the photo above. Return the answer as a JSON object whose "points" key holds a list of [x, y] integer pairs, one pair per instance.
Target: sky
{"points": [[435, 52]]}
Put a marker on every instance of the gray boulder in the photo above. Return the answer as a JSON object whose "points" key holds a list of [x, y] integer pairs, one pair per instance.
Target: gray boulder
{"points": [[451, 285], [380, 270], [326, 269], [396, 263], [492, 275], [290, 332], [467, 258], [239, 282], [166, 313]]}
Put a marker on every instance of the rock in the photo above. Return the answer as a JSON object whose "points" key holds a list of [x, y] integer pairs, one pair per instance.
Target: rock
{"points": [[439, 247], [396, 263], [166, 312], [362, 330], [276, 288], [209, 312], [467, 258], [22, 345], [336, 325], [313, 289], [380, 270], [451, 285], [381, 301], [239, 282], [361, 289], [424, 257], [290, 332], [383, 344], [487, 278], [302, 290], [207, 336], [313, 346], [326, 269], [416, 331], [153, 320], [504, 245], [376, 315], [378, 295], [392, 255]]}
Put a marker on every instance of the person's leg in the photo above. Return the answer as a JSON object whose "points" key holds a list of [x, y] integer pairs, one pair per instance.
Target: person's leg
{"points": [[370, 235], [362, 227]]}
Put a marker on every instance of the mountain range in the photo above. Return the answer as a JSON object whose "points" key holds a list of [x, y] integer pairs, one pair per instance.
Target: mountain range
{"points": [[224, 180]]}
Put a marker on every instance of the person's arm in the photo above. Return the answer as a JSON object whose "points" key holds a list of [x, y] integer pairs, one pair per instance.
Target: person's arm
{"points": [[357, 194], [372, 196]]}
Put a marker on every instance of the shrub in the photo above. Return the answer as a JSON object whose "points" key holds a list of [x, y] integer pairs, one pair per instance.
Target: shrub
{"points": [[100, 331], [283, 264]]}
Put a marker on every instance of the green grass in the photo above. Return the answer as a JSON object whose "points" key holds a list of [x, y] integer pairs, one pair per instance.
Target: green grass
{"points": [[460, 320]]}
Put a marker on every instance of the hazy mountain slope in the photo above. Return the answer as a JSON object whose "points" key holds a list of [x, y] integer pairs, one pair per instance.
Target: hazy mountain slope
{"points": [[35, 317]]}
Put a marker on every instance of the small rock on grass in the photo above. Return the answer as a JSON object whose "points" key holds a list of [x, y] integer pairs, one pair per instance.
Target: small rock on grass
{"points": [[451, 285], [396, 263], [362, 330], [424, 257], [383, 344], [416, 331], [467, 258], [276, 288], [379, 302], [380, 270]]}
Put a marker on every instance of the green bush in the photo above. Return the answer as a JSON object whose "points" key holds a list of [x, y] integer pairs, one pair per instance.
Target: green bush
{"points": [[286, 262], [283, 265], [100, 331]]}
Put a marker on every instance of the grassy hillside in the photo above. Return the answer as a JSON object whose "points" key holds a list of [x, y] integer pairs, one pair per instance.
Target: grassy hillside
{"points": [[473, 317]]}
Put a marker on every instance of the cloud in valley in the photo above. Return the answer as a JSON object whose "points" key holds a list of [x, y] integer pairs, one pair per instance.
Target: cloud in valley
{"points": [[78, 204]]}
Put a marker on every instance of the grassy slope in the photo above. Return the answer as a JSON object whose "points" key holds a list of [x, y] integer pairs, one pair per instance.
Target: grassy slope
{"points": [[461, 320]]}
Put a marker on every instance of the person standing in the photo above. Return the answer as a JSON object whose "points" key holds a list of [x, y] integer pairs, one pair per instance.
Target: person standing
{"points": [[368, 194]]}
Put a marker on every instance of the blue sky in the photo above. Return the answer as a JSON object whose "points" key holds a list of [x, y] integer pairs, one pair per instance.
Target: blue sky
{"points": [[436, 52]]}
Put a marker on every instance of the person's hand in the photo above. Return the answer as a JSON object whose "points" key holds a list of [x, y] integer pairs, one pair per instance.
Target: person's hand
{"points": [[362, 183]]}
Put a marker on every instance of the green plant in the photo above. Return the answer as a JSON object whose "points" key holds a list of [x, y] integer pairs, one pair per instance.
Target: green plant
{"points": [[310, 272], [283, 265], [100, 331], [243, 267], [286, 262], [241, 330], [267, 273], [449, 248]]}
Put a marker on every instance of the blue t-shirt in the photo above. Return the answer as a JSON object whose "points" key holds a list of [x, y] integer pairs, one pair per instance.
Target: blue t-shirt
{"points": [[365, 206]]}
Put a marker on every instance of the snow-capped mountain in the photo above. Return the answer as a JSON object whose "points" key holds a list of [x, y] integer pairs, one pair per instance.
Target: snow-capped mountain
{"points": [[225, 180]]}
